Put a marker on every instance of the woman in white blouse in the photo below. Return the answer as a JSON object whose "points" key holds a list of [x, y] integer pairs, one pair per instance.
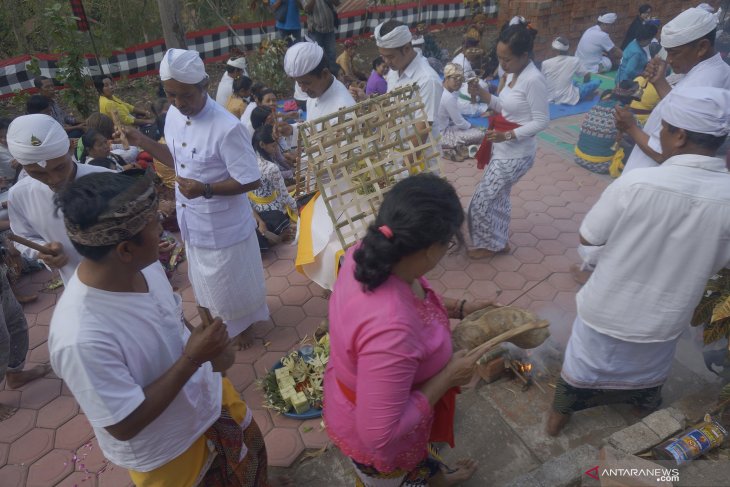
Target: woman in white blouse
{"points": [[456, 132], [522, 106]]}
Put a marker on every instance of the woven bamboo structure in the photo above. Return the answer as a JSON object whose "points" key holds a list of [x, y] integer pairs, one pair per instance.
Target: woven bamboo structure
{"points": [[354, 156]]}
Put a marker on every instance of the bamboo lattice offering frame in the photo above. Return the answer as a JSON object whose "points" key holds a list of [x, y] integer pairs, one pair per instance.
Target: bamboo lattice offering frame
{"points": [[355, 155]]}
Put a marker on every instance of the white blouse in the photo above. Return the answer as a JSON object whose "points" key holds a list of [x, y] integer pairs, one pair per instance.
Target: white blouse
{"points": [[526, 103]]}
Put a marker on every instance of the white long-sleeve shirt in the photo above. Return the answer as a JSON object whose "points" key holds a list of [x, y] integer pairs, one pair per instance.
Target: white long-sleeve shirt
{"points": [[526, 103], [713, 72], [32, 214], [448, 114]]}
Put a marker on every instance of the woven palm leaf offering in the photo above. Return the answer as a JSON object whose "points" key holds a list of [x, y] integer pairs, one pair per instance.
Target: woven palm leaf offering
{"points": [[486, 328], [293, 387]]}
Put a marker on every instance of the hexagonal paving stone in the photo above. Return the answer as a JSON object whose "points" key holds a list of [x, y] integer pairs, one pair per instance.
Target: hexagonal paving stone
{"points": [[90, 459], [13, 475], [273, 303], [436, 272], [545, 232], [17, 425], [280, 268], [253, 396], [10, 397], [44, 301], [557, 263], [57, 412], [455, 279], [528, 255], [520, 225], [39, 355], [567, 226], [74, 433], [296, 278], [563, 281], [281, 339], [78, 479], [505, 262], [44, 317], [288, 315], [484, 289], [31, 446], [276, 285], [263, 420], [455, 262], [261, 328], [283, 446], [281, 421], [114, 476], [316, 307], [295, 295], [4, 449], [50, 469], [313, 434], [251, 354], [37, 335], [241, 375], [543, 291], [534, 272], [509, 280], [566, 300], [551, 247], [308, 326], [523, 239], [40, 392], [264, 364]]}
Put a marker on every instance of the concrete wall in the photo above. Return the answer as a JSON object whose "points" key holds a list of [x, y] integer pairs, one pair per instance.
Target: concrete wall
{"points": [[570, 18]]}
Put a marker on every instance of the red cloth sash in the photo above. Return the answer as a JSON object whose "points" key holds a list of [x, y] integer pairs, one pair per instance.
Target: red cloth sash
{"points": [[500, 124], [442, 428]]}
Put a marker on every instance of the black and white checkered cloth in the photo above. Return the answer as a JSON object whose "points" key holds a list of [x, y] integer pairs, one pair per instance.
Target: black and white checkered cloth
{"points": [[215, 44]]}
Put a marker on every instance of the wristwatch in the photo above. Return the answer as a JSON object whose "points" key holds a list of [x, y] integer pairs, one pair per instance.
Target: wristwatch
{"points": [[508, 135], [207, 192]]}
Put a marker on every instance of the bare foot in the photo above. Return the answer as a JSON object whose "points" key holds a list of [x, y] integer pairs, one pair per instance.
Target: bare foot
{"points": [[486, 253], [465, 468], [244, 340], [556, 422], [26, 298], [18, 379], [7, 412]]}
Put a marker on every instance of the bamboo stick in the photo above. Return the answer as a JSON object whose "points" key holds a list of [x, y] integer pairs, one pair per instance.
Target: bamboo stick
{"points": [[480, 350], [118, 125], [30, 244], [205, 315]]}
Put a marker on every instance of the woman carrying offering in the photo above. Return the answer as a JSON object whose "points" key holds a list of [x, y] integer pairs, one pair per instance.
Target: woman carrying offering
{"points": [[509, 146], [392, 378]]}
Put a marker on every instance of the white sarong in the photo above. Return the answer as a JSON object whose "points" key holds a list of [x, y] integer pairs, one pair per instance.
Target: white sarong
{"points": [[230, 283], [597, 361]]}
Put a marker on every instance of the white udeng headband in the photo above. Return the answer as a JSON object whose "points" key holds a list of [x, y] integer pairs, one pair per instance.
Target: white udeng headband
{"points": [[398, 37]]}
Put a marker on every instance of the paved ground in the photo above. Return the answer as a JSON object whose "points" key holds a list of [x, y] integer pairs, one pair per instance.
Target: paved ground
{"points": [[49, 442]]}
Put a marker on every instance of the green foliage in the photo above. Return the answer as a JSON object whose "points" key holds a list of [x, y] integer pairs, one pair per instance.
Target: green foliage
{"points": [[713, 311], [267, 66], [71, 45]]}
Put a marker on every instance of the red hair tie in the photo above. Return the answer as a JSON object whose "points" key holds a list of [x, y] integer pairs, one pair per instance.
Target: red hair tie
{"points": [[386, 231]]}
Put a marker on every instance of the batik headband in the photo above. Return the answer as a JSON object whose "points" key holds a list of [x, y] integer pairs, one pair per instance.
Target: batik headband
{"points": [[126, 216]]}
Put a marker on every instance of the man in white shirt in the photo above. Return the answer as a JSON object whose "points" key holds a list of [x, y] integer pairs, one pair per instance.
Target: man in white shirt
{"points": [[147, 381], [689, 40], [393, 39], [559, 71], [41, 145], [235, 68], [306, 63], [663, 233], [215, 166], [595, 49]]}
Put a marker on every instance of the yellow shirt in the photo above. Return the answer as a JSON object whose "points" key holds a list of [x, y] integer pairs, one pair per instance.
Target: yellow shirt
{"points": [[649, 100], [106, 106], [184, 470], [236, 106]]}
